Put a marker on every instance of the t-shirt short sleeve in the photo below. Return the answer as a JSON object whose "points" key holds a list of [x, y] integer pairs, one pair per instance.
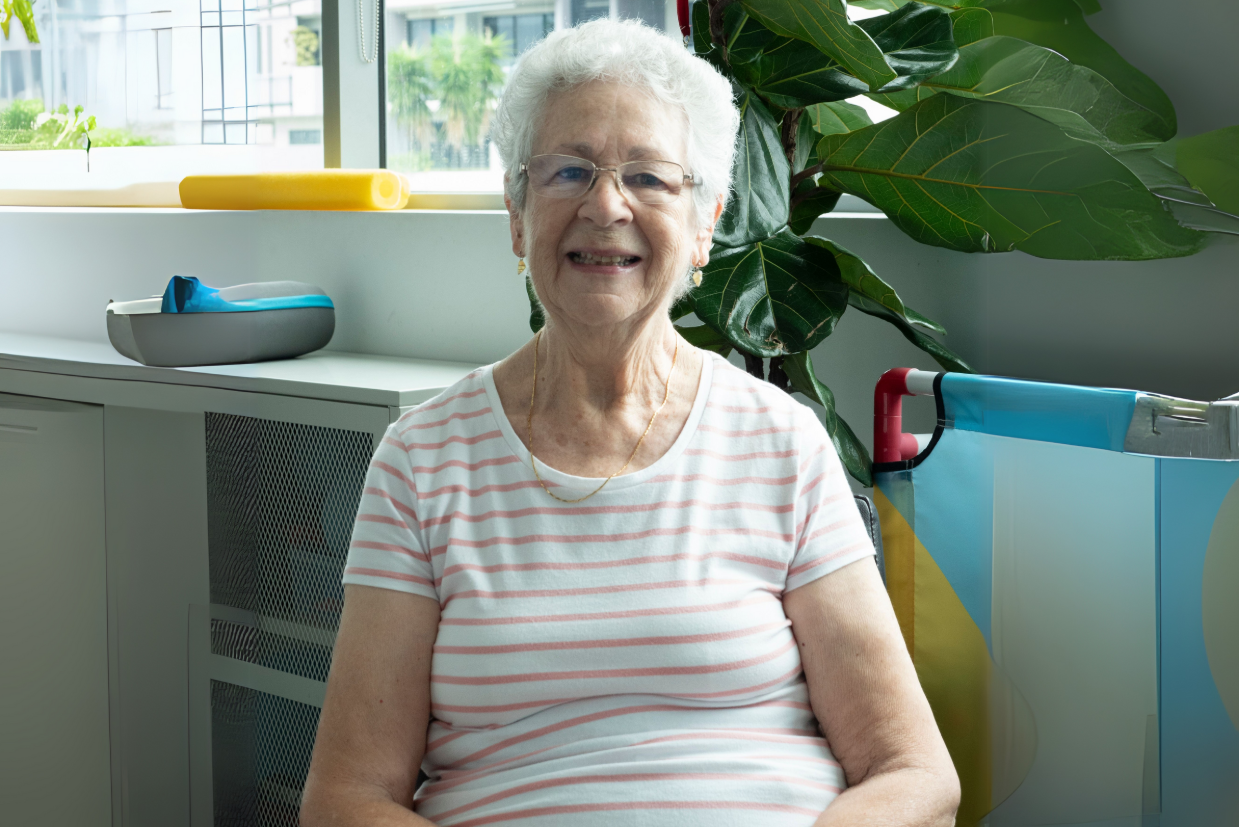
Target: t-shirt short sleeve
{"points": [[386, 549], [829, 531]]}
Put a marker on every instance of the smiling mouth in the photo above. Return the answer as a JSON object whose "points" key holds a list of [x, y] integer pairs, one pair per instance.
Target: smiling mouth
{"points": [[603, 261]]}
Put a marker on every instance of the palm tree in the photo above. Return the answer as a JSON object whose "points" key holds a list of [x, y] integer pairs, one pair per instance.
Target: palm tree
{"points": [[410, 88], [469, 79]]}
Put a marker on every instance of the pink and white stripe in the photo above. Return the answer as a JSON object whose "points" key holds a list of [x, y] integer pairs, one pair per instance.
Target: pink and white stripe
{"points": [[627, 659]]}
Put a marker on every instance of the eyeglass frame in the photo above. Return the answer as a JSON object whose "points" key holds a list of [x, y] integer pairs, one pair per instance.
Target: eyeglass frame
{"points": [[689, 178]]}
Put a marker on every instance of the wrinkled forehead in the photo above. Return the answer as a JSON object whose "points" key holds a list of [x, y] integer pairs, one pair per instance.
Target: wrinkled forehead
{"points": [[608, 122]]}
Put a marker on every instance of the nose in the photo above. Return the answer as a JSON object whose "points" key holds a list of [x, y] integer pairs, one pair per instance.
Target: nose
{"points": [[605, 203]]}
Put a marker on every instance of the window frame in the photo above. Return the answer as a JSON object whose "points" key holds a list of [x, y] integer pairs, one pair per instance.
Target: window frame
{"points": [[354, 128]]}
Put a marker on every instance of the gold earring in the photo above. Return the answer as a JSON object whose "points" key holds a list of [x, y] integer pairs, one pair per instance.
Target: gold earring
{"points": [[696, 276], [520, 267]]}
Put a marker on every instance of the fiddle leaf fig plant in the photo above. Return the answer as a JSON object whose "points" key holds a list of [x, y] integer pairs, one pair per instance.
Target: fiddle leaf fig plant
{"points": [[1017, 128]]}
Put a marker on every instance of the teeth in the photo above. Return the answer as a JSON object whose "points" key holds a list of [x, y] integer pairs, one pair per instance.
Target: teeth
{"points": [[609, 261]]}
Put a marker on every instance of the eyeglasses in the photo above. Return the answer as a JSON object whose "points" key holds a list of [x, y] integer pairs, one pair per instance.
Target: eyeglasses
{"points": [[565, 176]]}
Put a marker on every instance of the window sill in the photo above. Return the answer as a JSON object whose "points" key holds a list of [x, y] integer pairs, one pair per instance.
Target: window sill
{"points": [[165, 194]]}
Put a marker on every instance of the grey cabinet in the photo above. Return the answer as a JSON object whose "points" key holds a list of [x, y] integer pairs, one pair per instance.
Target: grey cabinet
{"points": [[172, 543], [54, 748]]}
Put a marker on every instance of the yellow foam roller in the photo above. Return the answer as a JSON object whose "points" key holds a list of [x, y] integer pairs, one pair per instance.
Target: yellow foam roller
{"points": [[320, 189]]}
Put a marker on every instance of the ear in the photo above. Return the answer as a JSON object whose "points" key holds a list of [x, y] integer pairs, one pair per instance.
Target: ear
{"points": [[705, 237], [517, 227]]}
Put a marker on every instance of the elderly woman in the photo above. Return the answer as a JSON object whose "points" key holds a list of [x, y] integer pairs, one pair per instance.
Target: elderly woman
{"points": [[613, 579]]}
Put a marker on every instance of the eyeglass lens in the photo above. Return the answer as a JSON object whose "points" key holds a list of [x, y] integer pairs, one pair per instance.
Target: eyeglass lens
{"points": [[563, 176]]}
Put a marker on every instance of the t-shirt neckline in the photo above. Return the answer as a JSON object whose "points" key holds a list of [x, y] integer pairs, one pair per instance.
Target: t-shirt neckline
{"points": [[571, 484]]}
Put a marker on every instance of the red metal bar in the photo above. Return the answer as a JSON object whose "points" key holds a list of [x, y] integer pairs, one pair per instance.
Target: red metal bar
{"points": [[890, 444]]}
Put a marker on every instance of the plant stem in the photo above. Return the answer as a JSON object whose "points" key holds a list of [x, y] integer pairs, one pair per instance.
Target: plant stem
{"points": [[717, 34], [753, 364], [777, 377], [791, 122], [807, 172]]}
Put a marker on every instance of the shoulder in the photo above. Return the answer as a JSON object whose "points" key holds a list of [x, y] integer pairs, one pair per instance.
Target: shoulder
{"points": [[735, 391], [457, 409]]}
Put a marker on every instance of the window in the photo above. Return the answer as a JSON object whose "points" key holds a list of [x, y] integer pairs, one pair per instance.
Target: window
{"points": [[163, 68], [447, 61], [586, 10], [519, 32], [170, 81], [421, 30]]}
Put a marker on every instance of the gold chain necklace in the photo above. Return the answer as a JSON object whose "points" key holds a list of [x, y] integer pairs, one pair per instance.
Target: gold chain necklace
{"points": [[529, 424]]}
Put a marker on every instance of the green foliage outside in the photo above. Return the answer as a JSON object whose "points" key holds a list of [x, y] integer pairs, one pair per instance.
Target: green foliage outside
{"points": [[25, 125], [1019, 128], [305, 41], [462, 73], [109, 136], [23, 10]]}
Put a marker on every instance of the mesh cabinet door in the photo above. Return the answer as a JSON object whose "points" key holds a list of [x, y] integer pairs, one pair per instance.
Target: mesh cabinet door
{"points": [[281, 500]]}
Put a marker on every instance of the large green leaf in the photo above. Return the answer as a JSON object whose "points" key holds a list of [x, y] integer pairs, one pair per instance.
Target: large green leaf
{"points": [[700, 17], [1060, 25], [834, 118], [792, 74], [759, 178], [1155, 167], [971, 25], [1087, 6], [986, 177], [1038, 80], [916, 41], [859, 278], [870, 294], [808, 206], [852, 452], [806, 143], [1209, 200], [810, 200], [825, 24], [878, 5], [776, 296], [1211, 162]]}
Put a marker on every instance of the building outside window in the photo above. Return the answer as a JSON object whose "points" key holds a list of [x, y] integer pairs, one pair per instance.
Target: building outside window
{"points": [[447, 62], [419, 31], [519, 31], [178, 78]]}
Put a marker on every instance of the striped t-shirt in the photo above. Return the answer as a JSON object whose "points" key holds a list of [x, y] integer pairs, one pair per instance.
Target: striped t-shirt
{"points": [[625, 660]]}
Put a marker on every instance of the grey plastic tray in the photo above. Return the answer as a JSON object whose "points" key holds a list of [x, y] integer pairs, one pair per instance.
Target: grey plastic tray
{"points": [[188, 339]]}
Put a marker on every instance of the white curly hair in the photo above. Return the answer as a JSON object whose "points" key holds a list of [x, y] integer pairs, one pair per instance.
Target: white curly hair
{"points": [[630, 52]]}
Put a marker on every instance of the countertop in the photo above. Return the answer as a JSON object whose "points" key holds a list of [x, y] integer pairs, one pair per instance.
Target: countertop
{"points": [[329, 375]]}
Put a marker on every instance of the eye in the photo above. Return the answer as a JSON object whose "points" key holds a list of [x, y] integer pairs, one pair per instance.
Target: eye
{"points": [[571, 173], [645, 180]]}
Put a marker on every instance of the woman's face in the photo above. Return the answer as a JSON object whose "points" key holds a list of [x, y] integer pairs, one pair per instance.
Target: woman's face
{"points": [[564, 238]]}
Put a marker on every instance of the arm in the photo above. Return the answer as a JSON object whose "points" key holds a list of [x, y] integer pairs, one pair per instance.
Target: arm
{"points": [[869, 703], [372, 732]]}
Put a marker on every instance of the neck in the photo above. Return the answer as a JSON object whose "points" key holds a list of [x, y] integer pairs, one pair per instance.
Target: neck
{"points": [[609, 370]]}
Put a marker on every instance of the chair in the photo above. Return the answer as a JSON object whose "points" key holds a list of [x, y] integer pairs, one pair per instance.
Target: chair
{"points": [[869, 514]]}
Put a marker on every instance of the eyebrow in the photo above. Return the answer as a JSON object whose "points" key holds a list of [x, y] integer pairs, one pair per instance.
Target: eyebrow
{"points": [[636, 153]]}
